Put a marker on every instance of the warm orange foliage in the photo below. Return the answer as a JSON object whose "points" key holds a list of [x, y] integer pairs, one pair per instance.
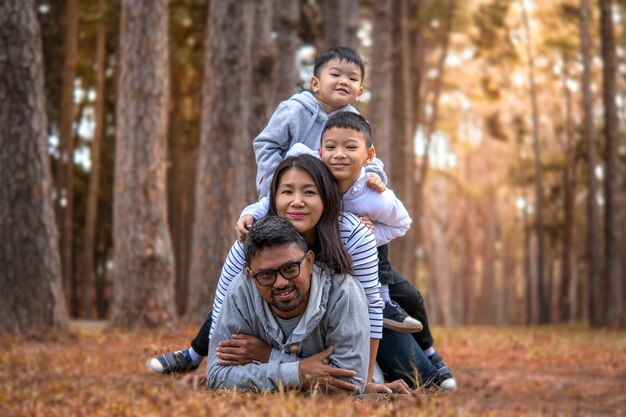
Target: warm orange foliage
{"points": [[501, 372]]}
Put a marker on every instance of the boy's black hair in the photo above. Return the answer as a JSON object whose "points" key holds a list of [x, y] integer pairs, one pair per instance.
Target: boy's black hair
{"points": [[343, 54], [271, 231], [349, 120]]}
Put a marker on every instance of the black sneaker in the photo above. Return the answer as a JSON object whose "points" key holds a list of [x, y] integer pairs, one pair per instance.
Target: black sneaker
{"points": [[172, 362], [395, 318], [444, 380]]}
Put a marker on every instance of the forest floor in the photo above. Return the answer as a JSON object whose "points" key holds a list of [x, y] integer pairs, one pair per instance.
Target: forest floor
{"points": [[501, 371]]}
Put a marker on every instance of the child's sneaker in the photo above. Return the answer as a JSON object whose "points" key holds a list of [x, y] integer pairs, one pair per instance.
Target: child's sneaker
{"points": [[395, 318], [445, 380], [172, 362]]}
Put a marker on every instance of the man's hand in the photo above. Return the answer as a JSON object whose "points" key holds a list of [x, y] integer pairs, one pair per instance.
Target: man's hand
{"points": [[243, 225], [395, 387], [315, 373], [375, 183], [242, 349]]}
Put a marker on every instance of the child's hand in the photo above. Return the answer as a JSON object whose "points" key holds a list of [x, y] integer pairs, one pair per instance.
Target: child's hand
{"points": [[368, 223], [375, 183], [243, 225]]}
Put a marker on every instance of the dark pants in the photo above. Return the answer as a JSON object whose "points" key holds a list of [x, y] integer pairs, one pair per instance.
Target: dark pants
{"points": [[400, 357], [200, 343], [404, 294]]}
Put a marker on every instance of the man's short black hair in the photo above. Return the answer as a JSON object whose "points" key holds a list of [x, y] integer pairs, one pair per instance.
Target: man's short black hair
{"points": [[271, 231], [350, 120], [343, 54]]}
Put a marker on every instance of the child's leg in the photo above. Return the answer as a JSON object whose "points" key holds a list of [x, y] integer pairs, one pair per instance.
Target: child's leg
{"points": [[200, 343], [412, 301], [184, 360], [394, 317], [399, 357]]}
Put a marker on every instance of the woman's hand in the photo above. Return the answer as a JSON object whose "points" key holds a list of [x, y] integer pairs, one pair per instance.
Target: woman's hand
{"points": [[243, 225], [375, 183], [242, 349]]}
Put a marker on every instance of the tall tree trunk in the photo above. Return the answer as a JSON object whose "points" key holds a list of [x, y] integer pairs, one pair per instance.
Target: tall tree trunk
{"points": [[544, 302], [88, 284], [568, 282], [65, 167], [286, 18], [30, 276], [488, 291], [431, 124], [612, 184], [144, 262], [528, 276], [379, 108], [341, 23], [593, 217], [223, 165]]}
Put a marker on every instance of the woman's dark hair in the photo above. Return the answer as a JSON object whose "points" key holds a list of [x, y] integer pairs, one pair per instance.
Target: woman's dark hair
{"points": [[329, 247]]}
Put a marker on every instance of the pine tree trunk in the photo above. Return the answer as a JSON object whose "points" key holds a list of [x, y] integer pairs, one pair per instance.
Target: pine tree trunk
{"points": [[341, 23], [286, 18], [89, 277], [65, 167], [544, 302], [613, 294], [567, 285], [593, 222], [379, 108], [221, 164], [144, 264], [30, 276]]}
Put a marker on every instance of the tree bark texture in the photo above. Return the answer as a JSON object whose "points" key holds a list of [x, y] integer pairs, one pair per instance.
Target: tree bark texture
{"points": [[286, 18], [30, 276], [379, 108], [144, 263], [614, 297], [222, 163], [341, 23]]}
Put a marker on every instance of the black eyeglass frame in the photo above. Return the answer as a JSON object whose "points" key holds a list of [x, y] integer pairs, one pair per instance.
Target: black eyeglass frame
{"points": [[277, 271]]}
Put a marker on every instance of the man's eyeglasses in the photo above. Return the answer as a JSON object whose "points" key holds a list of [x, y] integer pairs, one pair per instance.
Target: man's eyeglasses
{"points": [[267, 277]]}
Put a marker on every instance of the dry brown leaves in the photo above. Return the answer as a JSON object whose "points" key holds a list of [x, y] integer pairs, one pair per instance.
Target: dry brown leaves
{"points": [[508, 371]]}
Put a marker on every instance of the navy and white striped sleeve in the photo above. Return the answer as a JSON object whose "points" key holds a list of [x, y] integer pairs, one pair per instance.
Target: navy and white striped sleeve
{"points": [[233, 266], [361, 245]]}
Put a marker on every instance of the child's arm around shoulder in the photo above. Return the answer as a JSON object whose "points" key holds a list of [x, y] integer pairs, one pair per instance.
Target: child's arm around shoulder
{"points": [[391, 219]]}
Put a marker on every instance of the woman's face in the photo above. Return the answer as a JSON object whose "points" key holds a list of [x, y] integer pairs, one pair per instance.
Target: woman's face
{"points": [[298, 200]]}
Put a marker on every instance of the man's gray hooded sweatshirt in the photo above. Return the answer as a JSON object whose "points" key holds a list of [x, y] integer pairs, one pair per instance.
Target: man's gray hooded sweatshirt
{"points": [[300, 119], [336, 315]]}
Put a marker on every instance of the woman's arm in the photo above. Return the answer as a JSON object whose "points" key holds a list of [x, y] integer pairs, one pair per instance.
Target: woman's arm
{"points": [[233, 266], [361, 245]]}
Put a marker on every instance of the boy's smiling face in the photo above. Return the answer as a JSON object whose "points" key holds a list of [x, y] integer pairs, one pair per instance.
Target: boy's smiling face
{"points": [[339, 84], [345, 151]]}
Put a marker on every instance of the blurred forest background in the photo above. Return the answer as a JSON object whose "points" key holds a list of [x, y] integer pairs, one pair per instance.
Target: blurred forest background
{"points": [[126, 130]]}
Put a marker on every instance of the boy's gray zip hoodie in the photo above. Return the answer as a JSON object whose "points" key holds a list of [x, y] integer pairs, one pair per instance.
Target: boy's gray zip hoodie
{"points": [[300, 119], [336, 315]]}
